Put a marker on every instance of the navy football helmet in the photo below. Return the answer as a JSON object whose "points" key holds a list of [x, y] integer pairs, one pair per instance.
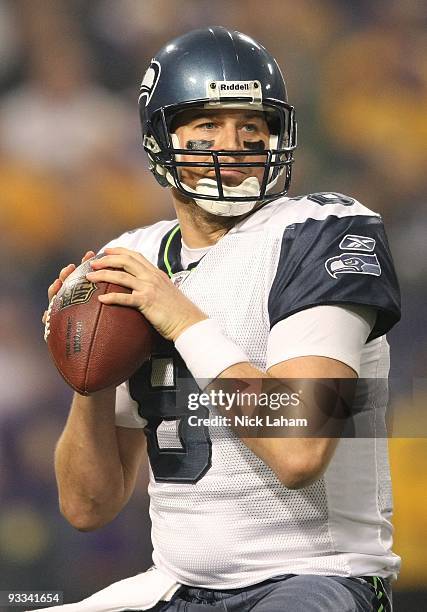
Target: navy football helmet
{"points": [[215, 68]]}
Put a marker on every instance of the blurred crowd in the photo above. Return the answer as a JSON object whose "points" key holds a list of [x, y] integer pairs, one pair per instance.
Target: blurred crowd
{"points": [[73, 175]]}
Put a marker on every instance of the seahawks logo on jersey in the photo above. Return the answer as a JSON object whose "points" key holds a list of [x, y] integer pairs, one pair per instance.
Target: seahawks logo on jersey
{"points": [[350, 263]]}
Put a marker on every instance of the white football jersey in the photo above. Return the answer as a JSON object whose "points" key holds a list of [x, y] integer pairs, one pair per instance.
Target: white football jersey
{"points": [[220, 516]]}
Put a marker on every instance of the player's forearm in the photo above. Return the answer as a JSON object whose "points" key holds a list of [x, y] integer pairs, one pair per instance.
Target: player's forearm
{"points": [[296, 461], [88, 469]]}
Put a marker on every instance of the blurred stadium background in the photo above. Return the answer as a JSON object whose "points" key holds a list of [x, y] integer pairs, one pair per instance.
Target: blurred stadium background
{"points": [[73, 175]]}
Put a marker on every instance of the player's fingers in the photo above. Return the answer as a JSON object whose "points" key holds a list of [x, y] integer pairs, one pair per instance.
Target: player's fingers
{"points": [[57, 283], [123, 261], [51, 292], [121, 299], [88, 255], [114, 276], [66, 271], [134, 254], [54, 288]]}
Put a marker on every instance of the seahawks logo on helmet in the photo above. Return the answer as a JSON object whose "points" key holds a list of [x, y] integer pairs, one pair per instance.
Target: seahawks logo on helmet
{"points": [[149, 82]]}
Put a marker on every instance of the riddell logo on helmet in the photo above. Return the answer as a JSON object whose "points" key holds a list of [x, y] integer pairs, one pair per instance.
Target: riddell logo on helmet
{"points": [[234, 89], [235, 86]]}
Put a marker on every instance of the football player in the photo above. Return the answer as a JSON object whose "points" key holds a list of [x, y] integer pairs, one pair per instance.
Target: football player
{"points": [[246, 283]]}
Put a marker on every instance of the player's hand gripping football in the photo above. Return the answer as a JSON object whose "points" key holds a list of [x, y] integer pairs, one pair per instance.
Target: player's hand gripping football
{"points": [[58, 282], [153, 293]]}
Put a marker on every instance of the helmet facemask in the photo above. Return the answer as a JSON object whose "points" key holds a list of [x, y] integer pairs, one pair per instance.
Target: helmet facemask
{"points": [[213, 194]]}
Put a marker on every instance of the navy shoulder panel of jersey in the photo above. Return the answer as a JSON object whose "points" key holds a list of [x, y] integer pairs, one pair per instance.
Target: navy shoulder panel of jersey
{"points": [[336, 260]]}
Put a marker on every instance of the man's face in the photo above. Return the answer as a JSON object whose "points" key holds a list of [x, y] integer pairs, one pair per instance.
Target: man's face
{"points": [[220, 129]]}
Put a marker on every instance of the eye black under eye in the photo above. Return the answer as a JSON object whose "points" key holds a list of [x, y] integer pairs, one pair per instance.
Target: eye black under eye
{"points": [[258, 145]]}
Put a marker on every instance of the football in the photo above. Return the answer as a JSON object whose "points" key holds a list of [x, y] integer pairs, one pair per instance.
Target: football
{"points": [[95, 345]]}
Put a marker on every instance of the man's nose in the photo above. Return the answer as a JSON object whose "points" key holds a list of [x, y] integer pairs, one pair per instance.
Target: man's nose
{"points": [[230, 139]]}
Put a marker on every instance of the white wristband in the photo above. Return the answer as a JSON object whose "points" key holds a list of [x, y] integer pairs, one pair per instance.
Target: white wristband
{"points": [[207, 351]]}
